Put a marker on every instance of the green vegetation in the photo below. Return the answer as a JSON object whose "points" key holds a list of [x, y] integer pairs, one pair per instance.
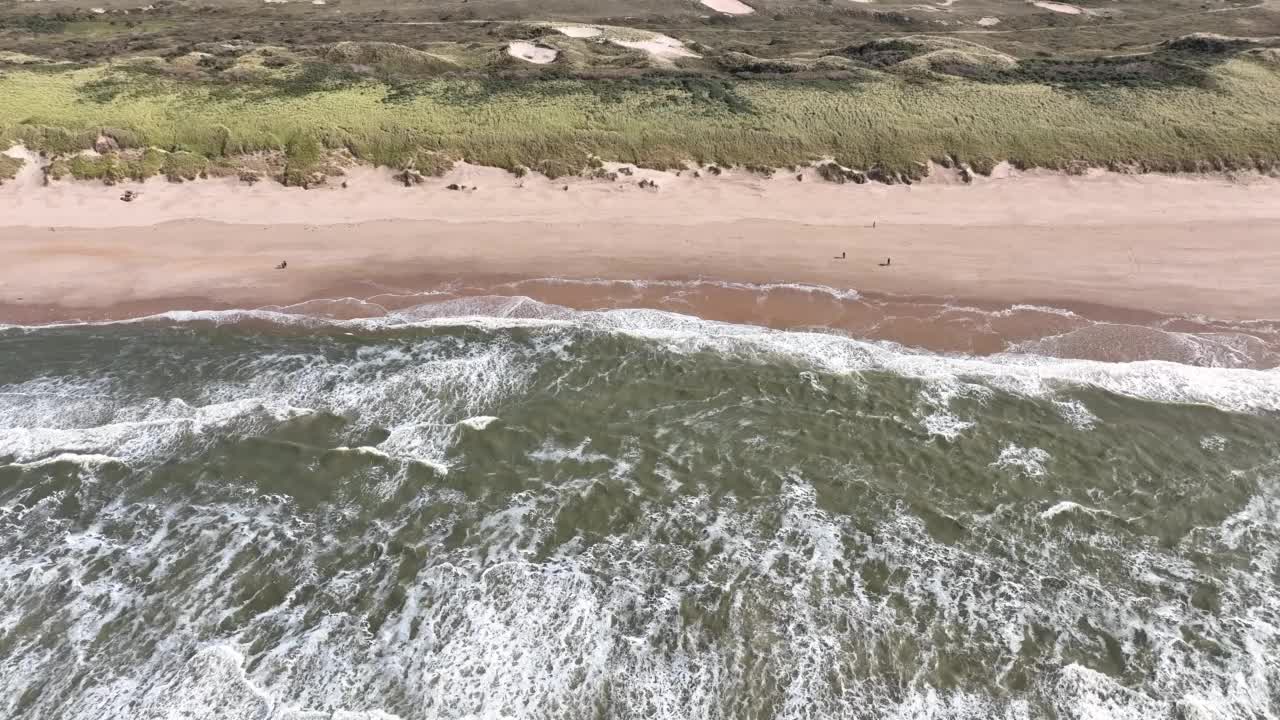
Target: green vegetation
{"points": [[182, 165], [554, 126], [832, 172], [296, 93], [389, 59], [112, 167], [9, 167]]}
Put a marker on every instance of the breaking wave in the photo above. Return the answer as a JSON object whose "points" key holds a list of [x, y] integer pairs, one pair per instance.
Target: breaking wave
{"points": [[504, 508]]}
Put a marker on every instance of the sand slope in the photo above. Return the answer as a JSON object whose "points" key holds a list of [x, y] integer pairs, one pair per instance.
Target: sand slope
{"points": [[531, 53], [729, 7]]}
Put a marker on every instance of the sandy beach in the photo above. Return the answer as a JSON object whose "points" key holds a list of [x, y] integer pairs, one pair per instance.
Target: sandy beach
{"points": [[1225, 270], [1118, 246]]}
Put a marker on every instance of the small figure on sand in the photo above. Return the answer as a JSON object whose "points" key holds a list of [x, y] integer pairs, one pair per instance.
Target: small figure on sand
{"points": [[283, 264], [841, 256], [129, 196], [887, 262]]}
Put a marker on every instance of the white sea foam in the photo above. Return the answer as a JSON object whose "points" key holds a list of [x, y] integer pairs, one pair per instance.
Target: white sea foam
{"points": [[1067, 506], [1030, 461], [479, 422], [1076, 413], [363, 450], [57, 402], [1203, 349], [945, 425], [507, 625], [934, 411], [1215, 443], [1232, 389], [215, 678], [550, 452], [143, 439], [843, 294], [418, 392], [1229, 389], [517, 620], [76, 458], [1021, 308], [422, 394]]}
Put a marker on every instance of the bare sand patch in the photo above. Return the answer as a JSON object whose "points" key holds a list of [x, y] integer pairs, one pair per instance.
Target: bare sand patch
{"points": [[531, 53], [1058, 7], [31, 175], [1169, 243], [662, 47], [580, 31], [988, 21], [729, 7]]}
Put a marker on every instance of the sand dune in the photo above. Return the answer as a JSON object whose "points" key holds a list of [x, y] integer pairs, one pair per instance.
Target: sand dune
{"points": [[663, 48], [729, 7], [580, 31], [531, 53], [1058, 7]]}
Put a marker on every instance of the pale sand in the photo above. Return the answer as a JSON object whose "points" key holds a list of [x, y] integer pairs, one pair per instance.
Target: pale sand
{"points": [[662, 47], [729, 7], [531, 53], [1189, 245], [580, 31], [1058, 7]]}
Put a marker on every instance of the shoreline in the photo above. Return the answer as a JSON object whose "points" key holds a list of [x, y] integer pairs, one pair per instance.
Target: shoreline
{"points": [[1141, 251], [1222, 270], [935, 325]]}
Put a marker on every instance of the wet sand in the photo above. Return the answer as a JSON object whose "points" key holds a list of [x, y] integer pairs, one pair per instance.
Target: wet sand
{"points": [[938, 324], [949, 325], [1129, 265], [1226, 270]]}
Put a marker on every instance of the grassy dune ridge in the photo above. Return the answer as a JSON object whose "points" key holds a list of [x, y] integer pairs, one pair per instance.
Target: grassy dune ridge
{"points": [[555, 124]]}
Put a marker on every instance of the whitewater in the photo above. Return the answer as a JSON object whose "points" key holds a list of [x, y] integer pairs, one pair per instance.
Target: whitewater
{"points": [[518, 510]]}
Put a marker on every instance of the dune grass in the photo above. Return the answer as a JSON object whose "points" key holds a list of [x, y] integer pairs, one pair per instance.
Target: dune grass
{"points": [[556, 124], [9, 167]]}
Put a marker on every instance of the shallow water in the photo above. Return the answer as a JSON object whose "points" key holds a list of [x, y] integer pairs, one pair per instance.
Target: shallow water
{"points": [[939, 324], [623, 514]]}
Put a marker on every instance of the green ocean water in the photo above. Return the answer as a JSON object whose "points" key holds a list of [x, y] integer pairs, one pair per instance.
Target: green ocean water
{"points": [[628, 514]]}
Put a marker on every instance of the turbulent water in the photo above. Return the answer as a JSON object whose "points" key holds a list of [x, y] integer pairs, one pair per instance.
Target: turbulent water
{"points": [[624, 514]]}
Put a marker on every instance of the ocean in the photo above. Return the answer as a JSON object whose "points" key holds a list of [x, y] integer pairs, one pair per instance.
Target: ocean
{"points": [[625, 513]]}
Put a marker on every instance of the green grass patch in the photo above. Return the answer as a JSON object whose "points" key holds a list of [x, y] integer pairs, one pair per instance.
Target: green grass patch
{"points": [[9, 167], [105, 28], [111, 167], [183, 165], [555, 125]]}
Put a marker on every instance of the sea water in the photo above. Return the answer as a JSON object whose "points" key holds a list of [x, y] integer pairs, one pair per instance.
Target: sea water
{"points": [[623, 514]]}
